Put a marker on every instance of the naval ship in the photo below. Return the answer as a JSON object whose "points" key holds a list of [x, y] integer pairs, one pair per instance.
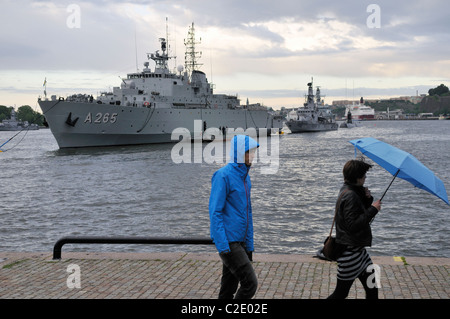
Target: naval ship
{"points": [[14, 125], [313, 117], [149, 105]]}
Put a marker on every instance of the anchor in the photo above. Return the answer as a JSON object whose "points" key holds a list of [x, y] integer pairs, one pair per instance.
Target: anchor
{"points": [[71, 122]]}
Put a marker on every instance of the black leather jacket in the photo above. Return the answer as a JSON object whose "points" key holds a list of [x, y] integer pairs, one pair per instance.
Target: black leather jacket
{"points": [[353, 217]]}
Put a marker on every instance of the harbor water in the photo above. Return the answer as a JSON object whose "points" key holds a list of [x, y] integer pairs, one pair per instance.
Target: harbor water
{"points": [[48, 193]]}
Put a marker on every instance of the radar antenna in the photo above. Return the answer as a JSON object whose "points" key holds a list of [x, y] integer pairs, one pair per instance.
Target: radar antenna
{"points": [[161, 59], [191, 56]]}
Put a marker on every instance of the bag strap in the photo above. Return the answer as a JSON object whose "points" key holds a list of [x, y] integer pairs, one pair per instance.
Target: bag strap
{"points": [[336, 209]]}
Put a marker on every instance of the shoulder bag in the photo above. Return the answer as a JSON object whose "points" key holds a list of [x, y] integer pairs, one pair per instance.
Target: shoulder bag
{"points": [[331, 249]]}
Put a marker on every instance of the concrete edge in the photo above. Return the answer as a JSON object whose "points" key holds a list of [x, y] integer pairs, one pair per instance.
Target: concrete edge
{"points": [[8, 257]]}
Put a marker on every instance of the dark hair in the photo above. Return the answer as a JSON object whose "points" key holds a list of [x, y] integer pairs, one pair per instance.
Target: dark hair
{"points": [[355, 169]]}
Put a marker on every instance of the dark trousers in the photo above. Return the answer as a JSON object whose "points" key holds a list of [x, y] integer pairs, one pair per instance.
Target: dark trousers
{"points": [[237, 268], [343, 287]]}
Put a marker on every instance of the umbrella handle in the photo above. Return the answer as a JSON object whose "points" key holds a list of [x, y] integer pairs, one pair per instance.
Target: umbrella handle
{"points": [[389, 185], [386, 191]]}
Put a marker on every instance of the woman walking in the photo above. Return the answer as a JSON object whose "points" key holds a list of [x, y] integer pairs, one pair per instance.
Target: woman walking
{"points": [[356, 210]]}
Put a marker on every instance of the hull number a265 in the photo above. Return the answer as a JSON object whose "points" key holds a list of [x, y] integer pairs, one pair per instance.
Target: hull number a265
{"points": [[101, 118]]}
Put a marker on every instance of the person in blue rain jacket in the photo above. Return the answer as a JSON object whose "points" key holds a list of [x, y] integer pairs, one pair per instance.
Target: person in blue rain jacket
{"points": [[231, 223]]}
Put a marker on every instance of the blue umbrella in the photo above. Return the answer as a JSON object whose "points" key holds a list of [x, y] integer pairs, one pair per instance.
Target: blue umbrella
{"points": [[401, 164]]}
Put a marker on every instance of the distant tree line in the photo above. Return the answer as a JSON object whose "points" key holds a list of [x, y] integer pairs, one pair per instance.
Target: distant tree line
{"points": [[440, 90], [437, 102], [24, 113]]}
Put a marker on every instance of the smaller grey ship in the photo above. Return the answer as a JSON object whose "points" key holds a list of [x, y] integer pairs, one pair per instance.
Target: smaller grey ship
{"points": [[349, 122], [14, 125], [313, 117]]}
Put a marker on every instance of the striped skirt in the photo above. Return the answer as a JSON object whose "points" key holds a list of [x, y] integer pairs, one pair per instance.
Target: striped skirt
{"points": [[352, 262]]}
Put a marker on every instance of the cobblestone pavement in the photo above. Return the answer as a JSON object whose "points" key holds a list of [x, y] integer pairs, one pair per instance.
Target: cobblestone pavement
{"points": [[197, 276]]}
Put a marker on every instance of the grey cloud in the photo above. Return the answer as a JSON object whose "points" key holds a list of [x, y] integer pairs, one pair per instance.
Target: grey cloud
{"points": [[35, 39], [264, 33]]}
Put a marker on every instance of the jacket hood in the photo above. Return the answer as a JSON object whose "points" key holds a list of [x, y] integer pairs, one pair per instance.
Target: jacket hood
{"points": [[239, 145]]}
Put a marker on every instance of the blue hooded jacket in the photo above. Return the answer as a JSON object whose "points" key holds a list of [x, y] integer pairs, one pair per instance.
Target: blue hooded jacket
{"points": [[230, 209]]}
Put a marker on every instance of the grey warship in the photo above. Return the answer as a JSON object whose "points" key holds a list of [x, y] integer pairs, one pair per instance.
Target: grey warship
{"points": [[149, 105], [313, 117], [14, 125]]}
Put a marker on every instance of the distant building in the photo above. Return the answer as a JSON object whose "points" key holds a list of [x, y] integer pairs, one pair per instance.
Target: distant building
{"points": [[426, 115], [413, 99], [397, 114], [343, 102]]}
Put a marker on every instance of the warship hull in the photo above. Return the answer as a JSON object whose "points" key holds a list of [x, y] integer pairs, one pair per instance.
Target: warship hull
{"points": [[79, 124], [301, 127], [19, 128]]}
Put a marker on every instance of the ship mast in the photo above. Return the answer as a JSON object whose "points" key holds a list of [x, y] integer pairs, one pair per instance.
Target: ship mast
{"points": [[191, 55], [161, 59], [310, 97], [319, 101]]}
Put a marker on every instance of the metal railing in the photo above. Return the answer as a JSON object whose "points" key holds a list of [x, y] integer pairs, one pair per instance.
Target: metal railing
{"points": [[57, 248]]}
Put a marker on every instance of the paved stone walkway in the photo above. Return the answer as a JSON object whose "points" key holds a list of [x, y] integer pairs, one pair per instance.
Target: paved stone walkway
{"points": [[197, 276]]}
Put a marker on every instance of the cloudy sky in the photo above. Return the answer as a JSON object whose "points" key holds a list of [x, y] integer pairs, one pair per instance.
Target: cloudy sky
{"points": [[262, 50]]}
